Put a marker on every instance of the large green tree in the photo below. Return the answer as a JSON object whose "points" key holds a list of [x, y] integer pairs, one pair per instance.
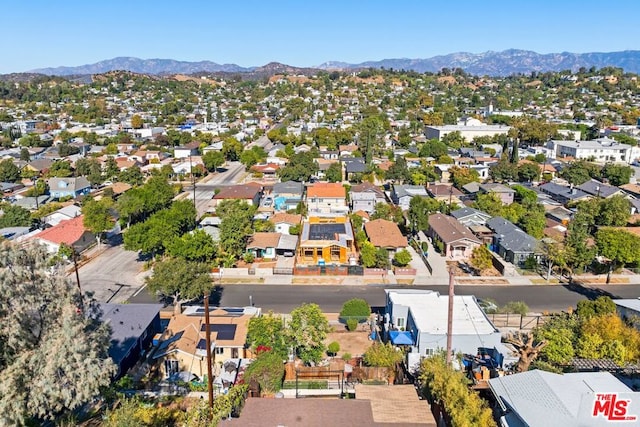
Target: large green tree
{"points": [[580, 171], [268, 331], [194, 246], [98, 217], [268, 371], [617, 174], [419, 210], [619, 246], [14, 216], [9, 172], [307, 329], [52, 357], [181, 280], [213, 160], [334, 172], [235, 227], [300, 168]]}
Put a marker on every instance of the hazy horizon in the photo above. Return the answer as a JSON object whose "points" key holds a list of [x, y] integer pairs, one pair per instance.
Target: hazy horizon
{"points": [[42, 34]]}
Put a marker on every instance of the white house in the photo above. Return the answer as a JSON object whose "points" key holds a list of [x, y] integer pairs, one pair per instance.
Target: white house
{"points": [[469, 129], [422, 317], [600, 150]]}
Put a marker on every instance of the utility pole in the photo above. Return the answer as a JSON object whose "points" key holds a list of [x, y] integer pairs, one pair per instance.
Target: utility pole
{"points": [[193, 181], [75, 266], [208, 343], [450, 316]]}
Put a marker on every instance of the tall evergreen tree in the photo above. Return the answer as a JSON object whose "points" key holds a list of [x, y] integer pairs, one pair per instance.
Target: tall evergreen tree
{"points": [[53, 348]]}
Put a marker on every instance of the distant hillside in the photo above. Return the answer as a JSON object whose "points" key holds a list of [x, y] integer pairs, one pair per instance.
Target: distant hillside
{"points": [[505, 63], [143, 66], [488, 63]]}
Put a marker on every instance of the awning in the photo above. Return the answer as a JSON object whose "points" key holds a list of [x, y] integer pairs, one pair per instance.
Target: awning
{"points": [[401, 337]]}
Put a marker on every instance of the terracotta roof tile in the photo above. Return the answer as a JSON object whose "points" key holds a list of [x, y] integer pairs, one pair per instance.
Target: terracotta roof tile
{"points": [[287, 218], [263, 240], [385, 234], [68, 232], [238, 192], [326, 189], [450, 229]]}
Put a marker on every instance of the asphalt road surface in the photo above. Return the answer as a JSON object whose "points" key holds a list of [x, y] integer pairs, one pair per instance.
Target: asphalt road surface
{"points": [[228, 175], [282, 299], [113, 276]]}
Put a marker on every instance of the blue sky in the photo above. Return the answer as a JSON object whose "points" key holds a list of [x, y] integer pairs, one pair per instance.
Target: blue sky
{"points": [[45, 33]]}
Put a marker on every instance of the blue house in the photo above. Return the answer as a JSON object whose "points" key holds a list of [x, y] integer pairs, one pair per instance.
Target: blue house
{"points": [[69, 187]]}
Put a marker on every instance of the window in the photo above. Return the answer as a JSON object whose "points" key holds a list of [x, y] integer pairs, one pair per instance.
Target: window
{"points": [[219, 350], [170, 367], [400, 322], [308, 253], [335, 253], [429, 352]]}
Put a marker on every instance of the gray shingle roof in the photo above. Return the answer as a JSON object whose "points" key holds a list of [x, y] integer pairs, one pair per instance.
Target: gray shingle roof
{"points": [[597, 188], [288, 187], [512, 238], [562, 191], [127, 322], [409, 190], [354, 165], [465, 212]]}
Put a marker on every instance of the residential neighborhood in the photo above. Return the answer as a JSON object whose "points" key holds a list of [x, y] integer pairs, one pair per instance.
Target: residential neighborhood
{"points": [[145, 202]]}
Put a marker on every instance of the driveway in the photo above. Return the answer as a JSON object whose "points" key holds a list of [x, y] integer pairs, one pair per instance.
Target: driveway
{"points": [[437, 262], [417, 263]]}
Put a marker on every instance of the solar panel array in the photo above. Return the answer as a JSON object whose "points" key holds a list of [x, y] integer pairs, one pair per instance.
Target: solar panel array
{"points": [[325, 231], [225, 332]]}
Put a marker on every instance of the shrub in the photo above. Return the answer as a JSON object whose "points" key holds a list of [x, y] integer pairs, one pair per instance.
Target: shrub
{"points": [[346, 357], [357, 309], [517, 307], [267, 370], [402, 258], [443, 384], [249, 257], [352, 324], [601, 306], [333, 348], [383, 355]]}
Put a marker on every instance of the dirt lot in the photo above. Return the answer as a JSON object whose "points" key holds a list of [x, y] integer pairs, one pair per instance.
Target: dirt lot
{"points": [[355, 343]]}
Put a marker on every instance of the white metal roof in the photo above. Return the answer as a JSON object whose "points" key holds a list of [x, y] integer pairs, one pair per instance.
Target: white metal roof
{"points": [[631, 303], [546, 399], [430, 311]]}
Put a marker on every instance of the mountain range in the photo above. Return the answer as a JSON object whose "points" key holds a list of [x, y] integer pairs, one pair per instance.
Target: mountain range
{"points": [[488, 63]]}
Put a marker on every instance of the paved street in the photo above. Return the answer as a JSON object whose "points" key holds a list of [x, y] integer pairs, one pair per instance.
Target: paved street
{"points": [[113, 276], [205, 189], [282, 299]]}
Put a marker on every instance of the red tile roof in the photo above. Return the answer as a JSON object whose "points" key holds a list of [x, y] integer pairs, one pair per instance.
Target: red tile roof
{"points": [[326, 189], [385, 234], [286, 218], [67, 232]]}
